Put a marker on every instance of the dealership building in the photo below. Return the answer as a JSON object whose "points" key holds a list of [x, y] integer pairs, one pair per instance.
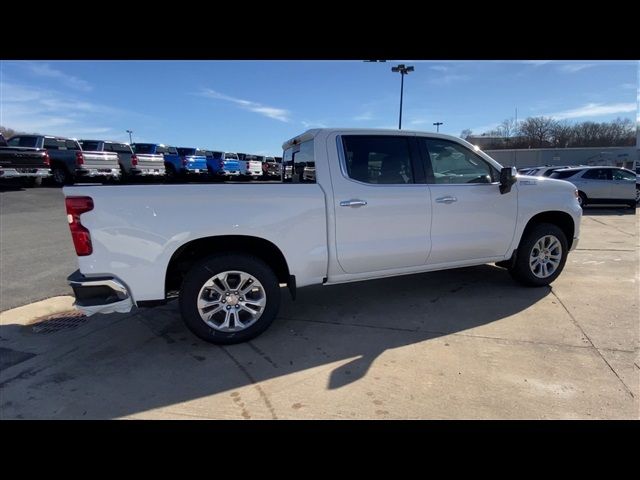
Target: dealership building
{"points": [[627, 157]]}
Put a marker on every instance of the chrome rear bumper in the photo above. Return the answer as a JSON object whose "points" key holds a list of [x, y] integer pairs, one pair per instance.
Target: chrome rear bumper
{"points": [[99, 294]]}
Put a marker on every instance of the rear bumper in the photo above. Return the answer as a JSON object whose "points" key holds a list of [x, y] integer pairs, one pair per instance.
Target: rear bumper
{"points": [[98, 172], [99, 294], [24, 172], [150, 171]]}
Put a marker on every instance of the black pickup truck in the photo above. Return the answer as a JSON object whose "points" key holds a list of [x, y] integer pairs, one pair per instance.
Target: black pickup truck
{"points": [[28, 164]]}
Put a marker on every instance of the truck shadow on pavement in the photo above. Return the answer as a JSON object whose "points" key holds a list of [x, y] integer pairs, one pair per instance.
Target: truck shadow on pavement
{"points": [[121, 365]]}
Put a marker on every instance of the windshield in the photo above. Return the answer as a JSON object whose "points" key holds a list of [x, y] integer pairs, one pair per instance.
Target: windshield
{"points": [[230, 156]]}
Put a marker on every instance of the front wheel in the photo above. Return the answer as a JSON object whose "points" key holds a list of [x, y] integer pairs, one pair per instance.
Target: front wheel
{"points": [[541, 256], [229, 298]]}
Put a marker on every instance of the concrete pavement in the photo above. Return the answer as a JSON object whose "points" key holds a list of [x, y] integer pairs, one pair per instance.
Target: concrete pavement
{"points": [[465, 343]]}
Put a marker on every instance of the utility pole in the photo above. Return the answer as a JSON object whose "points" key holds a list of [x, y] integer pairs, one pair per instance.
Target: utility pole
{"points": [[130, 132]]}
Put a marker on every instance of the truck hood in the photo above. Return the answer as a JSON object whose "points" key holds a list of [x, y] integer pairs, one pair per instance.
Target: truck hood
{"points": [[545, 184]]}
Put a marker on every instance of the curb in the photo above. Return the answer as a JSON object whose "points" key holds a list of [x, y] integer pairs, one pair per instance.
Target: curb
{"points": [[27, 314]]}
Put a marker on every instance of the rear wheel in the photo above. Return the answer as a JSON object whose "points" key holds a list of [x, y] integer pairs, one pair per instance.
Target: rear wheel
{"points": [[229, 298], [32, 181], [541, 256], [170, 173], [61, 176]]}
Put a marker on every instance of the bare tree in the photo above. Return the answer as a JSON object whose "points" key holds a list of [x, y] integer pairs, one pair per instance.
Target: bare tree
{"points": [[537, 131], [562, 134], [465, 133], [508, 128]]}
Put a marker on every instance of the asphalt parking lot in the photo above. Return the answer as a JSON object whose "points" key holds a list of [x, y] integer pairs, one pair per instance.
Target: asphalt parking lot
{"points": [[466, 343]]}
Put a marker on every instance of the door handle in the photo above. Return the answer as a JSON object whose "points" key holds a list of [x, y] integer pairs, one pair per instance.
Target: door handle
{"points": [[353, 203], [448, 199]]}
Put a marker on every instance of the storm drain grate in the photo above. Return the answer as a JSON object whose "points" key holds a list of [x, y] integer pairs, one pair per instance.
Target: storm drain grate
{"points": [[60, 321]]}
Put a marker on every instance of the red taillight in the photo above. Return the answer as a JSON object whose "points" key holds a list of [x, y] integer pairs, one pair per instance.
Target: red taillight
{"points": [[76, 206], [47, 159], [79, 158], [134, 160]]}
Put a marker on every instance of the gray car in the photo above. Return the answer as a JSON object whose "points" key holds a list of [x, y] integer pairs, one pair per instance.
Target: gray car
{"points": [[602, 184]]}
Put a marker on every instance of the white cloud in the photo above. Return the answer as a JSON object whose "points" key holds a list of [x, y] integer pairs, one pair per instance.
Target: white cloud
{"points": [[44, 111], [276, 113], [439, 68], [313, 124], [448, 78], [364, 117], [575, 67], [536, 63], [46, 70], [418, 121], [594, 110]]}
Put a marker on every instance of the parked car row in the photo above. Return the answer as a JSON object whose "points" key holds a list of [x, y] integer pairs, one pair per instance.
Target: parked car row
{"points": [[595, 184], [68, 161]]}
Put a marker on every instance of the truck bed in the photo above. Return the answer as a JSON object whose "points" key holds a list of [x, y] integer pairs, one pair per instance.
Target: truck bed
{"points": [[135, 229]]}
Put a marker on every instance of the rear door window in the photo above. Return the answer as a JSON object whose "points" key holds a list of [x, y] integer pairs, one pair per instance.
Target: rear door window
{"points": [[598, 174], [378, 159], [23, 142], [561, 174]]}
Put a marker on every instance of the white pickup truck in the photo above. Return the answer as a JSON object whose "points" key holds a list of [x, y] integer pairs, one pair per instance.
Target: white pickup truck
{"points": [[380, 203]]}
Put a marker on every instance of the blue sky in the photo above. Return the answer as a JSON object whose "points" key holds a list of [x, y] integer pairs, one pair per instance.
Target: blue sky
{"points": [[253, 106]]}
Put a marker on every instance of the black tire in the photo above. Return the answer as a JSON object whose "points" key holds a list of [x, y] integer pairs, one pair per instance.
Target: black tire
{"points": [[170, 174], [637, 202], [582, 200], [521, 271], [207, 268], [32, 182], [61, 176]]}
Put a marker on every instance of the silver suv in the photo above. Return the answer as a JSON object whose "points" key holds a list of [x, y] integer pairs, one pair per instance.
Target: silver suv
{"points": [[602, 184]]}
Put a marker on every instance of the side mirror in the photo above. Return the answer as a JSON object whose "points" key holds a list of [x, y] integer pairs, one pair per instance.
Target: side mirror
{"points": [[507, 179]]}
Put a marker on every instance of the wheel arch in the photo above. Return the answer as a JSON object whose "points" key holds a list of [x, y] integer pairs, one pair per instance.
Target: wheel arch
{"points": [[189, 253], [562, 220]]}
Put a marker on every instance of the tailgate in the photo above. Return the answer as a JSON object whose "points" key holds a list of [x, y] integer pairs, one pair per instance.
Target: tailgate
{"points": [[100, 160], [22, 158], [147, 160], [196, 162]]}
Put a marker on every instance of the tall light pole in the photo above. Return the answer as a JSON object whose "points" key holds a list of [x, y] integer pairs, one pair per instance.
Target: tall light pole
{"points": [[403, 71], [437, 124], [130, 132]]}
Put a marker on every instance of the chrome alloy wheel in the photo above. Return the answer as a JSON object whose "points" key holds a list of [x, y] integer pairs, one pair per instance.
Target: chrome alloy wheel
{"points": [[545, 256], [231, 301]]}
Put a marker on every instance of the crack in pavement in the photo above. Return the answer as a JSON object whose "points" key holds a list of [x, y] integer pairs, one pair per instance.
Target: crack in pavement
{"points": [[444, 333], [575, 322], [253, 381], [611, 226], [604, 250]]}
